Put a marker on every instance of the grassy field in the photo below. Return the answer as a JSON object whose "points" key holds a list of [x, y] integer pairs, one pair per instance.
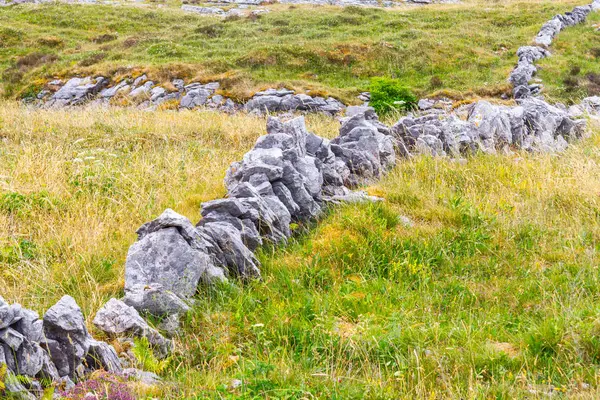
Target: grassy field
{"points": [[455, 48], [492, 293]]}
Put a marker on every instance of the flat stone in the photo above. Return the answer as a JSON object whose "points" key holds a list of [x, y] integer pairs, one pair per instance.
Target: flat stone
{"points": [[154, 299]]}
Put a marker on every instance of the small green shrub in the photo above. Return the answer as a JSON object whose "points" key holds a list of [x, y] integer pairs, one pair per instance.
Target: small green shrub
{"points": [[390, 95]]}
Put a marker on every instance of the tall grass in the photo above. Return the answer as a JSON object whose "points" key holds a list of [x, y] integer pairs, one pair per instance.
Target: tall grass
{"points": [[76, 184], [491, 293]]}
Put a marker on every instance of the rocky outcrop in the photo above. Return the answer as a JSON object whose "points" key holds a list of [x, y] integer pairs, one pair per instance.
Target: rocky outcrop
{"points": [[525, 70], [533, 125], [289, 176], [240, 11], [276, 100], [148, 95], [56, 348]]}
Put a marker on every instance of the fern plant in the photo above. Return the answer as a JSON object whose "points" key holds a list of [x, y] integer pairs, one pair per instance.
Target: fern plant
{"points": [[145, 356]]}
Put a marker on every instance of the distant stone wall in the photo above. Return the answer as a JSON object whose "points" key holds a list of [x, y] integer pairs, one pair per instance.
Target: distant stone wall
{"points": [[528, 55], [97, 91]]}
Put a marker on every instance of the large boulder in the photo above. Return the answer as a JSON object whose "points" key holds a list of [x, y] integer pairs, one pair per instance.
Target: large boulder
{"points": [[170, 252], [66, 336]]}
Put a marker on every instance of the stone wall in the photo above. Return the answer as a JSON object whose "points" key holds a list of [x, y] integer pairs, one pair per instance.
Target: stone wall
{"points": [[528, 55]]}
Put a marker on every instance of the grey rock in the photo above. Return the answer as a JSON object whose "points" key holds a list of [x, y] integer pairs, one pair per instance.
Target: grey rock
{"points": [[101, 355], [493, 125], [139, 80], [170, 325], [78, 90], [169, 252], [11, 338], [30, 359], [48, 371], [203, 10], [238, 259], [264, 104], [30, 325], [351, 111], [9, 314], [117, 319], [195, 97], [144, 377], [64, 324], [154, 299], [591, 105], [122, 86], [143, 90], [425, 104], [16, 389], [274, 92]]}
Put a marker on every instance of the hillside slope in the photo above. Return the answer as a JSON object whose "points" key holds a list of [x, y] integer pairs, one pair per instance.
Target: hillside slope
{"points": [[465, 47]]}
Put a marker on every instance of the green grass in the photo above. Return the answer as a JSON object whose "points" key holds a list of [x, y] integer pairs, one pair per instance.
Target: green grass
{"points": [[576, 56], [468, 47], [493, 293]]}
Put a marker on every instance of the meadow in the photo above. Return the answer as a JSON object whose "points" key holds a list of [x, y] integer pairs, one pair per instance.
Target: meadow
{"points": [[490, 291], [471, 280], [458, 50]]}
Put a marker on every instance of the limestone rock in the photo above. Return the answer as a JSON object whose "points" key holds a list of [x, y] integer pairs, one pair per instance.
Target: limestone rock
{"points": [[154, 299], [64, 324], [117, 319], [171, 253]]}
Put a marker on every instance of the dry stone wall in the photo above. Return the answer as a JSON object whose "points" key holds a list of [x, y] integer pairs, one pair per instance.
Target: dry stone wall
{"points": [[528, 55]]}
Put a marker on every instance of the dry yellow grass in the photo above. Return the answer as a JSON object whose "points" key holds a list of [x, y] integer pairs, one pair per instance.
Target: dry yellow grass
{"points": [[76, 184]]}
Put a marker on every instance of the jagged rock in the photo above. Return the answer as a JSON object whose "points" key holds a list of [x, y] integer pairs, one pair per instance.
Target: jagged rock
{"points": [[107, 93], [351, 111], [549, 30], [154, 299], [203, 10], [103, 356], [117, 319], [275, 100], [48, 370], [11, 338], [139, 80], [531, 54], [30, 358], [367, 152], [170, 252], [591, 105], [194, 98], [78, 90], [425, 104], [9, 314], [143, 90], [493, 125], [65, 326], [230, 248], [549, 128]]}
